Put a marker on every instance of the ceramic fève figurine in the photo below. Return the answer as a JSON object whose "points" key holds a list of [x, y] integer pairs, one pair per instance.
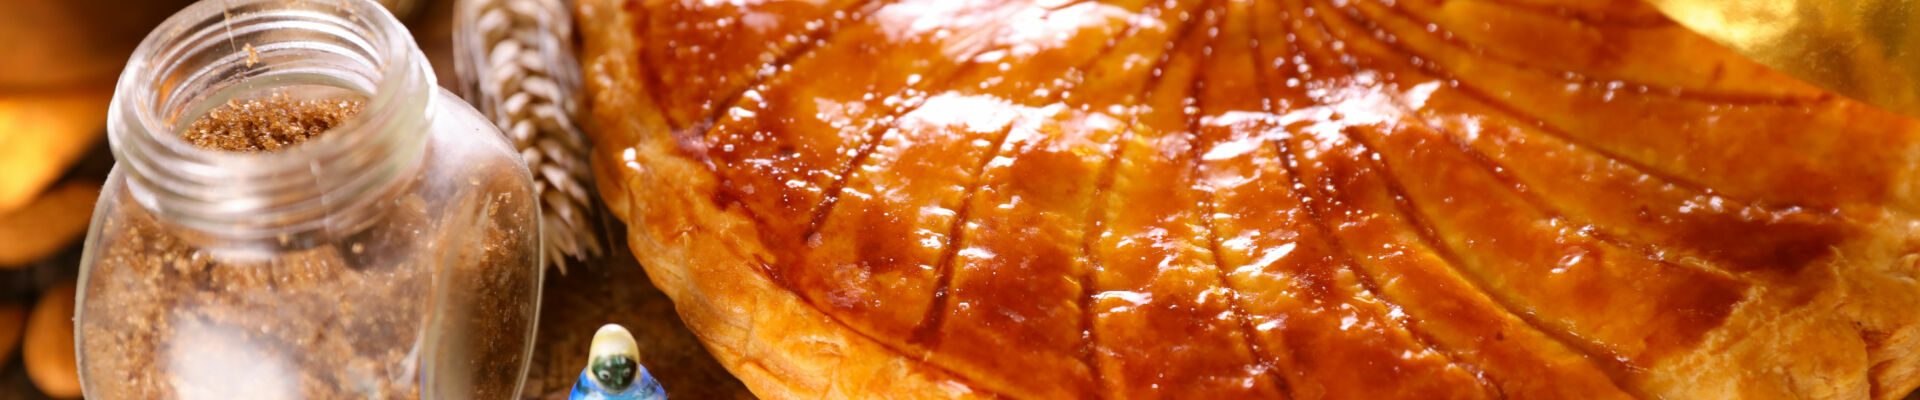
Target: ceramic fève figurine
{"points": [[613, 370]]}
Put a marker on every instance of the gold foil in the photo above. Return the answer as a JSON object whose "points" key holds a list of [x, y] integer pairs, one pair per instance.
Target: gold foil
{"points": [[1868, 50]]}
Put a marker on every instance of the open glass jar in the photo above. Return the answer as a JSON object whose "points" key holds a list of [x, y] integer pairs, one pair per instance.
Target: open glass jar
{"points": [[392, 256]]}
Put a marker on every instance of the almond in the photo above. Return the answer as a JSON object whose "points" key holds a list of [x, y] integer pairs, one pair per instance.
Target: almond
{"points": [[48, 224], [13, 318], [48, 347], [44, 134]]}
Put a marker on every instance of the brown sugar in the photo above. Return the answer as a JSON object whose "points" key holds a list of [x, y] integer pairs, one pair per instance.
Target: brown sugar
{"points": [[327, 322], [268, 123], [170, 315]]}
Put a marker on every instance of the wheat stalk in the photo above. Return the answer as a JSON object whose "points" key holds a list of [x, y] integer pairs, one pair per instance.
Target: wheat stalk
{"points": [[516, 61]]}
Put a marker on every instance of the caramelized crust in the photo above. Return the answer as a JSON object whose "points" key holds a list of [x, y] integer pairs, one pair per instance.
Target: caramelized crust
{"points": [[1463, 199]]}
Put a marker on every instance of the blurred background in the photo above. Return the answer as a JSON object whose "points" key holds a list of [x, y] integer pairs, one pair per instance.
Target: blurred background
{"points": [[61, 59]]}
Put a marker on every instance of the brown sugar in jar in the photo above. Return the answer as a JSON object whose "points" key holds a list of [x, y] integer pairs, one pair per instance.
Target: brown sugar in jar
{"points": [[268, 124], [329, 225], [179, 314]]}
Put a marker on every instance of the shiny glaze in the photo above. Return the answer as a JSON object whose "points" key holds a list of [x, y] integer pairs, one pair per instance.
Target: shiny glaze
{"points": [[1709, 138], [1016, 271], [1733, 234], [1315, 318], [1361, 212], [1268, 199], [1156, 270], [785, 150], [710, 50], [1620, 305]]}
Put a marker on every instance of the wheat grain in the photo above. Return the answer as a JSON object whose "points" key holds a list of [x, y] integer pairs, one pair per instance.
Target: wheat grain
{"points": [[518, 68]]}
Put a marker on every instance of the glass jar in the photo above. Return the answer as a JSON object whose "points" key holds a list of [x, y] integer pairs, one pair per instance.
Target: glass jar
{"points": [[393, 256]]}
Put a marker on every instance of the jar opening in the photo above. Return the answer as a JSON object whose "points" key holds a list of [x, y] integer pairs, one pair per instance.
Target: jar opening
{"points": [[219, 51]]}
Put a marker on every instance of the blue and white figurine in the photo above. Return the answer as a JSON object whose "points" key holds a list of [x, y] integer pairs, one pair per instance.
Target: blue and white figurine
{"points": [[613, 370]]}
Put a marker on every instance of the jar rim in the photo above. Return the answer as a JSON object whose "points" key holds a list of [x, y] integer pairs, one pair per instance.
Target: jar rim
{"points": [[214, 51]]}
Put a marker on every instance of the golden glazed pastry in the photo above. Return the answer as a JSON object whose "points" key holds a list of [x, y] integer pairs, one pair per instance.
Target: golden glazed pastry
{"points": [[1225, 199]]}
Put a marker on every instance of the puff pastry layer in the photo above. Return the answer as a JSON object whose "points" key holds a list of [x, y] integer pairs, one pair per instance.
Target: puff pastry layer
{"points": [[1355, 199]]}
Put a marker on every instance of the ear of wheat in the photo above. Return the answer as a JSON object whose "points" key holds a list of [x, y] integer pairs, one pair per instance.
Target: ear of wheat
{"points": [[516, 64]]}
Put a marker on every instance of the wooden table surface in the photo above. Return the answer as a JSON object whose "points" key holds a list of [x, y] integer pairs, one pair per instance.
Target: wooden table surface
{"points": [[617, 291]]}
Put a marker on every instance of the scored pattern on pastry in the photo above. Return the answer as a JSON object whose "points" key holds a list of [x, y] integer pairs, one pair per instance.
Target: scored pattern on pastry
{"points": [[1302, 198]]}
